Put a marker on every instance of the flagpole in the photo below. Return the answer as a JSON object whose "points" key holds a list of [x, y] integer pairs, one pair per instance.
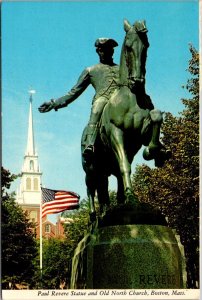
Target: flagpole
{"points": [[41, 242]]}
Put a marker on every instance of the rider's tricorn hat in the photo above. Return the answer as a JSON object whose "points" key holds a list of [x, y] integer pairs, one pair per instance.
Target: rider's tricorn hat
{"points": [[106, 42]]}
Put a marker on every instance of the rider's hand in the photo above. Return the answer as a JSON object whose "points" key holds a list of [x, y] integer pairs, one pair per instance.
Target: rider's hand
{"points": [[47, 106]]}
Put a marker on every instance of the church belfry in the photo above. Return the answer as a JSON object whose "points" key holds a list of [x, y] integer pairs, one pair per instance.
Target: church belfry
{"points": [[29, 193]]}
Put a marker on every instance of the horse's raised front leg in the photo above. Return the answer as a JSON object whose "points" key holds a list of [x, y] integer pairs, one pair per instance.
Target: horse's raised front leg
{"points": [[155, 149], [157, 119], [124, 165]]}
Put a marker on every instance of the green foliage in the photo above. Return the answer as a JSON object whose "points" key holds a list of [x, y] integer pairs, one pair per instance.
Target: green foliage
{"points": [[57, 253], [56, 263], [18, 243], [6, 179], [76, 229], [175, 187]]}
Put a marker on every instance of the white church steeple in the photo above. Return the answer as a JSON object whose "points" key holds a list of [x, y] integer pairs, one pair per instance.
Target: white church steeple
{"points": [[30, 187], [30, 138]]}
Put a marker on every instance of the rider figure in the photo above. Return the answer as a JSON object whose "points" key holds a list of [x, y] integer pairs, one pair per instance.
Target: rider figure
{"points": [[103, 77]]}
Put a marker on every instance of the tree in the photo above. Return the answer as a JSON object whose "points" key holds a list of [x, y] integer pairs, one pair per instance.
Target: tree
{"points": [[18, 243], [58, 254], [174, 188], [76, 229], [56, 266]]}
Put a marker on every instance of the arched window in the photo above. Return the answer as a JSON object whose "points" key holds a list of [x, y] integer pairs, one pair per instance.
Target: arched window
{"points": [[28, 183], [36, 185], [31, 165]]}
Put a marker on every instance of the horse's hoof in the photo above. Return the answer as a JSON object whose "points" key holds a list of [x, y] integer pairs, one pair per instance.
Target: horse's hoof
{"points": [[154, 149], [162, 157], [147, 155]]}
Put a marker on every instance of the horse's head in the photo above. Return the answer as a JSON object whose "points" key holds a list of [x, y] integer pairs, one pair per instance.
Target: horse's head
{"points": [[135, 51]]}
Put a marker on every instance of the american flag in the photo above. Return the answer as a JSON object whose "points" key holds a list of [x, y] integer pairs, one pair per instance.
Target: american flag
{"points": [[54, 201]]}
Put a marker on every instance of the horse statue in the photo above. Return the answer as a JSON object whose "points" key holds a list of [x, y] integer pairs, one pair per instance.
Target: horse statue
{"points": [[128, 121]]}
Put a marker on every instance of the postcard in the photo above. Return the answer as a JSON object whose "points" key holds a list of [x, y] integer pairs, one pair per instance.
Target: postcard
{"points": [[100, 150]]}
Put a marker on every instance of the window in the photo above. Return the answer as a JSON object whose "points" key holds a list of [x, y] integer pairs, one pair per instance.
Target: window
{"points": [[28, 183], [36, 186], [33, 216], [31, 165], [47, 228]]}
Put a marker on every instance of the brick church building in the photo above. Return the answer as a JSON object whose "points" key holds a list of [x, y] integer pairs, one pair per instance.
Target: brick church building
{"points": [[29, 194]]}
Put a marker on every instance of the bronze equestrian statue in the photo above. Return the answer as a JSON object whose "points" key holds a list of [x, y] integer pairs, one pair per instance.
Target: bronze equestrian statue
{"points": [[103, 77], [113, 137]]}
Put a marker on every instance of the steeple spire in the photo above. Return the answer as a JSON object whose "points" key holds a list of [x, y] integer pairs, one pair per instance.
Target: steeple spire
{"points": [[29, 191], [30, 138]]}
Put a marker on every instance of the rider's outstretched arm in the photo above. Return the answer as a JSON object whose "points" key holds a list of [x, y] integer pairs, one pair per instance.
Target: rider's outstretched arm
{"points": [[75, 92]]}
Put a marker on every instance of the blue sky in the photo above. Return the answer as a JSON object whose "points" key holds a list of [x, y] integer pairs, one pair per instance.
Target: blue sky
{"points": [[46, 45]]}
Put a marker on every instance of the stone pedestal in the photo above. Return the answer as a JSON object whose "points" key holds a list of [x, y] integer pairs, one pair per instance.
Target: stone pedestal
{"points": [[131, 247], [133, 256]]}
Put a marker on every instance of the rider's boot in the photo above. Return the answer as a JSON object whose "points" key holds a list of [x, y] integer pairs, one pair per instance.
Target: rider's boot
{"points": [[91, 137]]}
